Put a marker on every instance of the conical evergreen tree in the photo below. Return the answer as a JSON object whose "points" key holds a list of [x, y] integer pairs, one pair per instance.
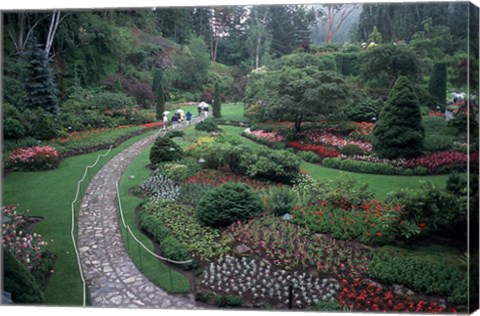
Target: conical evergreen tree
{"points": [[217, 102], [399, 132], [157, 88], [40, 83]]}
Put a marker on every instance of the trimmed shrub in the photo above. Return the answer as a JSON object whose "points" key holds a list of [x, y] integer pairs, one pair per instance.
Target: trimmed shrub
{"points": [[352, 150], [364, 110], [399, 132], [175, 133], [228, 203], [275, 165], [424, 274], [309, 156], [18, 281], [12, 128], [278, 200], [165, 149], [208, 125], [435, 143], [34, 158], [173, 249]]}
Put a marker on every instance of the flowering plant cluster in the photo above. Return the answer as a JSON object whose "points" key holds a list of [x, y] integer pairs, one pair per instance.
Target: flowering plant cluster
{"points": [[271, 137], [373, 222], [441, 159], [35, 158], [153, 124], [159, 187], [364, 296], [216, 178], [435, 114], [89, 134], [362, 131], [323, 137], [290, 247], [27, 248], [203, 241], [322, 151], [258, 280]]}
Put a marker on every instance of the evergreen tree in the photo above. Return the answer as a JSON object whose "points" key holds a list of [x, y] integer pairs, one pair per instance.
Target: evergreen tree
{"points": [[217, 102], [157, 89], [437, 85], [399, 132], [41, 88], [375, 36]]}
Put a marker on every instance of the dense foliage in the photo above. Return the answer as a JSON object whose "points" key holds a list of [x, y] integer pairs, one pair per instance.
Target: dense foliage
{"points": [[165, 149], [399, 131], [228, 203]]}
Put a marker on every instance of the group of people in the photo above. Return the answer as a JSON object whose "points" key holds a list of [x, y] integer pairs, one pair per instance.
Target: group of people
{"points": [[177, 119], [180, 117]]}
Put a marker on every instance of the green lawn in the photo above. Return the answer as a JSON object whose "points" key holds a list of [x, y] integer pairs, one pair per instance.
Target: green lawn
{"points": [[156, 271], [230, 111], [49, 194], [381, 185]]}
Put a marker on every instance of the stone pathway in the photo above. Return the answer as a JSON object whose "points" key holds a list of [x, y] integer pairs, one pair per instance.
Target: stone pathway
{"points": [[112, 278]]}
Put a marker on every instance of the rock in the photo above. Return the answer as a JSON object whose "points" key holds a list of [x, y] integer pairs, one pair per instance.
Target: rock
{"points": [[241, 249], [132, 177], [401, 290]]}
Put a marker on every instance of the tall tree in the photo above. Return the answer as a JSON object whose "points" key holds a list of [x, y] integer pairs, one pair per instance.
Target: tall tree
{"points": [[40, 84], [157, 88], [289, 26], [399, 132], [437, 85], [258, 34], [217, 102], [332, 16]]}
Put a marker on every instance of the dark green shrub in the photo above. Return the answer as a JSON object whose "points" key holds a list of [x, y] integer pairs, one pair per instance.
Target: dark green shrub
{"points": [[42, 124], [111, 100], [399, 132], [152, 225], [422, 273], [18, 281], [309, 156], [333, 162], [456, 184], [228, 203], [12, 128], [420, 171], [364, 110], [348, 64], [352, 150], [165, 149], [173, 249], [192, 193], [228, 301], [437, 86], [438, 210], [41, 268], [435, 143], [175, 133], [279, 200], [180, 170], [275, 165], [208, 125]]}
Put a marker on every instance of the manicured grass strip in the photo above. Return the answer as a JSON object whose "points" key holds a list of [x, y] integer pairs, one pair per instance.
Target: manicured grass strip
{"points": [[230, 111], [49, 194], [155, 270], [381, 185]]}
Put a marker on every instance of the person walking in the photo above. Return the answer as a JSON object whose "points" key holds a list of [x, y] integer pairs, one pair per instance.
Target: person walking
{"points": [[188, 116], [175, 120], [165, 121]]}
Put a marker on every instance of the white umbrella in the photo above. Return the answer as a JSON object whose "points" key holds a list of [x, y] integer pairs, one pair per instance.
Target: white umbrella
{"points": [[180, 111], [166, 113]]}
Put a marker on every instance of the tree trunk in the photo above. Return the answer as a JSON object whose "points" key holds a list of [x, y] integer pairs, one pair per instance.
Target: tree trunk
{"points": [[298, 122]]}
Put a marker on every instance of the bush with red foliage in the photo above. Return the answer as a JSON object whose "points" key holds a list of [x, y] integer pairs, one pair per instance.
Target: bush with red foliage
{"points": [[322, 151]]}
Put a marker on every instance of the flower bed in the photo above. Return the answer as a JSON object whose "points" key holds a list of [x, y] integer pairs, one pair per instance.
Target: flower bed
{"points": [[364, 296], [363, 131], [442, 159], [159, 187], [216, 178], [292, 247], [373, 222], [322, 151], [29, 249], [323, 137], [34, 158], [271, 137], [260, 283], [204, 242]]}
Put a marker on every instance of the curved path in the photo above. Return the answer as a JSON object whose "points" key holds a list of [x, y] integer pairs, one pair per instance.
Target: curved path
{"points": [[111, 276]]}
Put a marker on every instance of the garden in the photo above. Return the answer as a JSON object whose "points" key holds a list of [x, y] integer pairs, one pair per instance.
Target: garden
{"points": [[325, 175]]}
